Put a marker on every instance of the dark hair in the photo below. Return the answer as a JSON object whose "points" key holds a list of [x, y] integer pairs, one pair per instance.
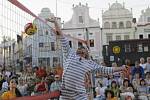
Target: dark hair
{"points": [[114, 82], [17, 92], [36, 68], [109, 91], [141, 81], [147, 73], [126, 80]]}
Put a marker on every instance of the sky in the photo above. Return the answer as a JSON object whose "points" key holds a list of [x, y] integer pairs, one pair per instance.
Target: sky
{"points": [[64, 7], [9, 18]]}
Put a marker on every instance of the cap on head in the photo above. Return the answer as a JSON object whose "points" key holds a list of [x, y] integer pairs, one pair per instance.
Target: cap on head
{"points": [[80, 49]]}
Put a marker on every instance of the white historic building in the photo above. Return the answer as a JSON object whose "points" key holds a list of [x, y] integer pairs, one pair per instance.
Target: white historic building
{"points": [[143, 25], [83, 27], [41, 48], [117, 23], [7, 53]]}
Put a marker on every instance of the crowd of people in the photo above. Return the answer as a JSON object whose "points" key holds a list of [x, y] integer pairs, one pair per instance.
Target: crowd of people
{"points": [[112, 83], [31, 81], [131, 84]]}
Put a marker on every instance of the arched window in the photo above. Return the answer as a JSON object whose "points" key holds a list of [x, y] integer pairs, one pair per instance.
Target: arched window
{"points": [[121, 25], [128, 24], [106, 25]]}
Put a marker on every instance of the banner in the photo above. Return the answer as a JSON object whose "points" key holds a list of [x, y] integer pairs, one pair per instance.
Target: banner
{"points": [[47, 96]]}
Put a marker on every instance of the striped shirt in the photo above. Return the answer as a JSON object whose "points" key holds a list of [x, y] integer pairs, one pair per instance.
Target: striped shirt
{"points": [[75, 69]]}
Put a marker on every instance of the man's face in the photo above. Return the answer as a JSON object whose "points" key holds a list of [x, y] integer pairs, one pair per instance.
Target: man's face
{"points": [[148, 59], [82, 52], [137, 64], [142, 60]]}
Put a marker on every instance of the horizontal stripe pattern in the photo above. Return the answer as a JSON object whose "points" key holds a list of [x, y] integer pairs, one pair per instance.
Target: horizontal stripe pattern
{"points": [[75, 69]]}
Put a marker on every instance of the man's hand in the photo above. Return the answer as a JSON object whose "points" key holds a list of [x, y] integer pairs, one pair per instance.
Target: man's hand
{"points": [[52, 20], [118, 69], [57, 30]]}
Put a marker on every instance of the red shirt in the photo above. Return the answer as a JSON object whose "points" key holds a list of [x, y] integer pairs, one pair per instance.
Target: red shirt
{"points": [[41, 73], [127, 72], [41, 87]]}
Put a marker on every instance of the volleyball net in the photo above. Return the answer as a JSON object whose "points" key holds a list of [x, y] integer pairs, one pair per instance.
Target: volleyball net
{"points": [[14, 16]]}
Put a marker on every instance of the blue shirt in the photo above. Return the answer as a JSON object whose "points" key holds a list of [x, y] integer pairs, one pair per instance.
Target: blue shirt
{"points": [[139, 70]]}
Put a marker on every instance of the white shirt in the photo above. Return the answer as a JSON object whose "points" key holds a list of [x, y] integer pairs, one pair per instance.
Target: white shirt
{"points": [[5, 86], [101, 90]]}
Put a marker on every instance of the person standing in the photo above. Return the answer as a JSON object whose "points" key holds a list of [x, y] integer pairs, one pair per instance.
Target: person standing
{"points": [[76, 64], [148, 65]]}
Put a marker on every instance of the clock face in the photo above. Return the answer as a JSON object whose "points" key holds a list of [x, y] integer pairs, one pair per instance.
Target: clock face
{"points": [[116, 49]]}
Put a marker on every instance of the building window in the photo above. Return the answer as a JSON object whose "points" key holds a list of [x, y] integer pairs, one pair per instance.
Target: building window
{"points": [[91, 33], [106, 50], [121, 25], [114, 25], [80, 19], [46, 32], [106, 25], [40, 60], [80, 44], [118, 37], [40, 32], [141, 36], [47, 46], [53, 46], [44, 61], [127, 48], [109, 38], [149, 36], [128, 24], [79, 34], [70, 43], [148, 19], [41, 44], [145, 48], [146, 30], [92, 43], [140, 48], [126, 37], [55, 61]]}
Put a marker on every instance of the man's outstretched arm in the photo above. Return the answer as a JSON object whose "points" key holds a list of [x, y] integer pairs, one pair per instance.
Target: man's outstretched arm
{"points": [[105, 70], [108, 70], [64, 41]]}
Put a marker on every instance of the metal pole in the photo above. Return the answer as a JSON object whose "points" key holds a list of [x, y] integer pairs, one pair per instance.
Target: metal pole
{"points": [[4, 53], [101, 41], [56, 8]]}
